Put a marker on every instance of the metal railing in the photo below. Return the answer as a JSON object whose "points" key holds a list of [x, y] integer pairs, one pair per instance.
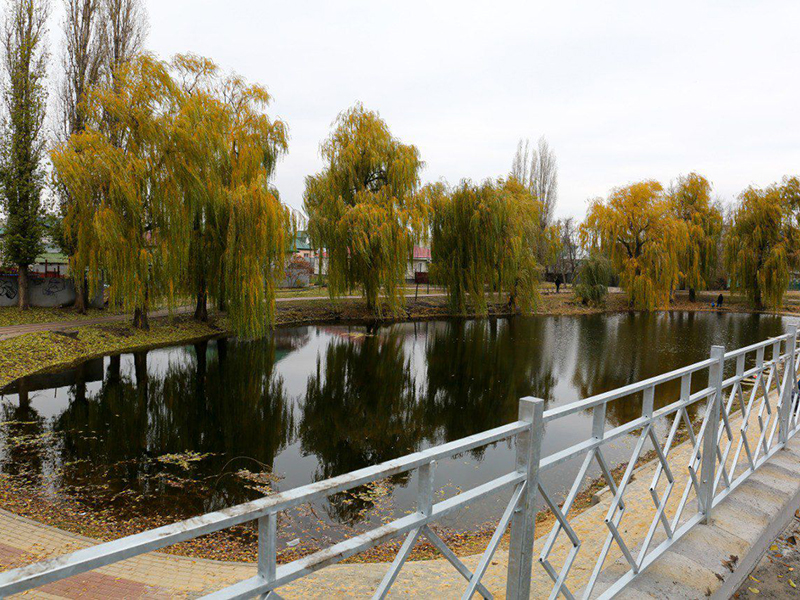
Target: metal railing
{"points": [[724, 453]]}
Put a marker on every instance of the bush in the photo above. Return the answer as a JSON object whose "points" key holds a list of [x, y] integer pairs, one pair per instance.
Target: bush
{"points": [[593, 279], [298, 272]]}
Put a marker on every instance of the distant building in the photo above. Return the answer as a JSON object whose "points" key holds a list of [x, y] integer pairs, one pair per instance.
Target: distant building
{"points": [[49, 280], [50, 263], [419, 266], [301, 246]]}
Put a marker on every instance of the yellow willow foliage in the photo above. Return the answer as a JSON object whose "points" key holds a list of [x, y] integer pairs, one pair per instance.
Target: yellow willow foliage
{"points": [[644, 240], [171, 188], [483, 238], [363, 207], [690, 200], [253, 259], [230, 148], [761, 245], [114, 171]]}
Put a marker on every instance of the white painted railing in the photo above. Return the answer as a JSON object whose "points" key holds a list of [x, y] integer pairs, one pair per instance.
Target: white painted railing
{"points": [[723, 456]]}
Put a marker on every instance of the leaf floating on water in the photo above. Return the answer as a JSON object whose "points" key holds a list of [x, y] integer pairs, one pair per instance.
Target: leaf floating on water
{"points": [[184, 459], [264, 480]]}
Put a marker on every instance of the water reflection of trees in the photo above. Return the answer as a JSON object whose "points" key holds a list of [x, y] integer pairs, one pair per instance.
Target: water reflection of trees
{"points": [[21, 455], [359, 410], [625, 349], [478, 371], [216, 395]]}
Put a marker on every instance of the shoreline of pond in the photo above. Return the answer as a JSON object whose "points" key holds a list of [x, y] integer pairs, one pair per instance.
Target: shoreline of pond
{"points": [[49, 351]]}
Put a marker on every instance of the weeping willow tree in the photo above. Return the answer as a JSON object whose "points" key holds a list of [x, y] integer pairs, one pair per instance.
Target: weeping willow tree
{"points": [[363, 207], [690, 200], [170, 181], [485, 238], [236, 227], [115, 173], [644, 240], [762, 243]]}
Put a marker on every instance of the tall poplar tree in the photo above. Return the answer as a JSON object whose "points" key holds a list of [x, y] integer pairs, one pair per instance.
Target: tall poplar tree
{"points": [[363, 207], [25, 98], [101, 37], [537, 170], [123, 31], [83, 57]]}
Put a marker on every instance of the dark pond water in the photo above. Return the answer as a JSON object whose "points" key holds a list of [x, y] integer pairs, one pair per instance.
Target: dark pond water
{"points": [[181, 431]]}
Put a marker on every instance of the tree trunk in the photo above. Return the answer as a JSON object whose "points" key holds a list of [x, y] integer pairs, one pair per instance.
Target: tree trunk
{"points": [[114, 368], [757, 298], [140, 320], [201, 311], [22, 281], [80, 384], [692, 294], [80, 296], [22, 394]]}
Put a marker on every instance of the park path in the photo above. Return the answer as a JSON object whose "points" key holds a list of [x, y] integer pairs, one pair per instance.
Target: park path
{"points": [[13, 331], [158, 575]]}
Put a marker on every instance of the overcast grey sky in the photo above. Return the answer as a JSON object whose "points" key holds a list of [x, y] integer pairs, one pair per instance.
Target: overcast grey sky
{"points": [[622, 90]]}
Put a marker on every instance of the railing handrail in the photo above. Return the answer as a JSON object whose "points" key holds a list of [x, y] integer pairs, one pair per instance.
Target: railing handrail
{"points": [[639, 386], [621, 392]]}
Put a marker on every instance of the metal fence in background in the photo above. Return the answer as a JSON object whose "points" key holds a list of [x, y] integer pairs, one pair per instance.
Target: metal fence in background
{"points": [[746, 418]]}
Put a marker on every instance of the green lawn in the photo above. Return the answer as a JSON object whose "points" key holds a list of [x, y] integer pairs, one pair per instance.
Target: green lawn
{"points": [[11, 315]]}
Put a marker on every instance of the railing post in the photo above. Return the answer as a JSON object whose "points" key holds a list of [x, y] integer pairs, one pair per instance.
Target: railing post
{"points": [[267, 547], [789, 383], [523, 523], [705, 497], [425, 497]]}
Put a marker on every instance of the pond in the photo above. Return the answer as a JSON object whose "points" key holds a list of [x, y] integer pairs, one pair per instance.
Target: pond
{"points": [[181, 431]]}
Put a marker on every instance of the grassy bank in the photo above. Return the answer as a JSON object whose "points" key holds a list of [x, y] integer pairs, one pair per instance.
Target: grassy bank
{"points": [[35, 352]]}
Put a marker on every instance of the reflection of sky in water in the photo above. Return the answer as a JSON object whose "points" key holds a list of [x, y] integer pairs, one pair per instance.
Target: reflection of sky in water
{"points": [[315, 401]]}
